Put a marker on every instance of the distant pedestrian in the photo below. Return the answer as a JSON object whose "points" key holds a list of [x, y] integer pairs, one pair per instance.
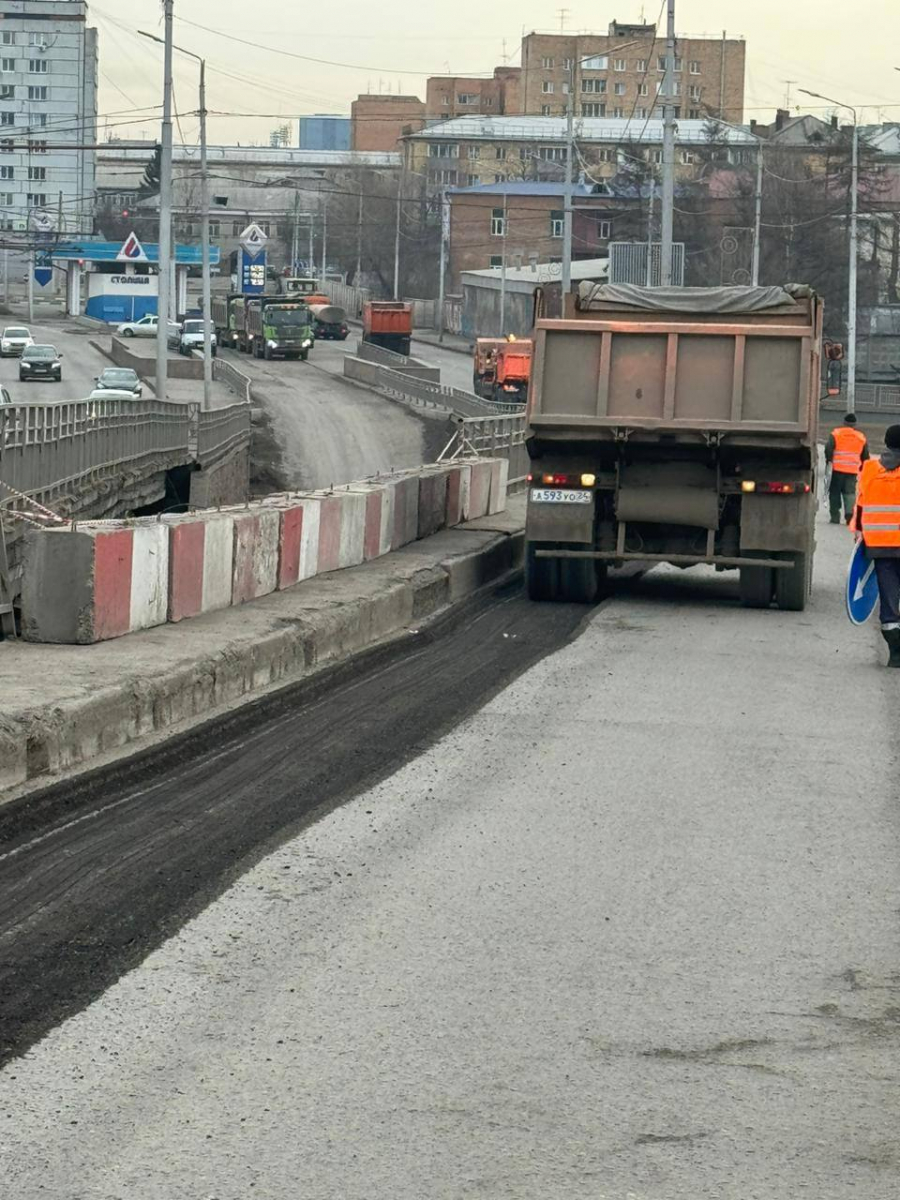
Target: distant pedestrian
{"points": [[877, 519], [846, 450]]}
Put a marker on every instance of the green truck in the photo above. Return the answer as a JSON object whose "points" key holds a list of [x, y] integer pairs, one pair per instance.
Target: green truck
{"points": [[273, 327], [223, 318]]}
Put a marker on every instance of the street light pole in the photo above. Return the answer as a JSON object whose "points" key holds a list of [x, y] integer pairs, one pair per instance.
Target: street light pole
{"points": [[443, 268], [397, 235], [165, 212], [757, 224], [854, 248], [668, 163], [567, 198]]}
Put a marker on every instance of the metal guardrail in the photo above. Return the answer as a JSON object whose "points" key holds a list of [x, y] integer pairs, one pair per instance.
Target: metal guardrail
{"points": [[493, 437], [870, 398], [234, 379], [222, 430], [378, 354], [421, 391]]}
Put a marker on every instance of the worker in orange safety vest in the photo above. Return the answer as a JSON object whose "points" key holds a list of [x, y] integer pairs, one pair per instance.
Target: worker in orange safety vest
{"points": [[876, 519], [846, 450]]}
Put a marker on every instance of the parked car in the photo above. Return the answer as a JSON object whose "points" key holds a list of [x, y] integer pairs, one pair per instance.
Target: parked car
{"points": [[145, 327], [13, 340], [120, 379], [40, 362]]}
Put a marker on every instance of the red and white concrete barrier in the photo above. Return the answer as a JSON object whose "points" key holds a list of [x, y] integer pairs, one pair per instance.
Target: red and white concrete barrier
{"points": [[256, 541], [201, 557]]}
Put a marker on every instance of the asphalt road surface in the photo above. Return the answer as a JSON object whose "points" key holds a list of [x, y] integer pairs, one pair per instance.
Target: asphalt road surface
{"points": [[81, 363], [627, 931], [322, 430]]}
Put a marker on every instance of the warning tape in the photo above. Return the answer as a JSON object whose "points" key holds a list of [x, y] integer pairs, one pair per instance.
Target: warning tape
{"points": [[40, 514]]}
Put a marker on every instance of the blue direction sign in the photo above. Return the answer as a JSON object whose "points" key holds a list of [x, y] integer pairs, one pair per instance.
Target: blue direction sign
{"points": [[43, 268], [862, 586], [252, 272]]}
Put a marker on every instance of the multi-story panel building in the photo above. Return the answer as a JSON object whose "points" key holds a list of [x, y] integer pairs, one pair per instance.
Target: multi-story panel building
{"points": [[379, 122], [619, 74], [48, 114], [463, 96]]}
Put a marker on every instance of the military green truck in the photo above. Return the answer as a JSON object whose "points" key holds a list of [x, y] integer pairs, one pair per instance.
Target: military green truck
{"points": [[675, 425], [223, 318], [274, 327]]}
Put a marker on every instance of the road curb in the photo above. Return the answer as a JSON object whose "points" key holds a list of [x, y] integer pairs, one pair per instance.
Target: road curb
{"points": [[309, 628]]}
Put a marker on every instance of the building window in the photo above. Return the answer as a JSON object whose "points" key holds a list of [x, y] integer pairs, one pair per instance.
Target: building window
{"points": [[489, 103], [443, 150], [38, 66], [597, 62], [604, 156], [593, 110], [545, 110], [472, 180], [687, 158], [445, 177], [8, 39], [547, 87], [642, 114], [676, 88], [695, 67], [694, 91], [679, 63], [500, 153], [7, 64], [473, 152], [36, 199], [661, 63], [237, 228], [642, 65], [568, 63], [498, 223], [619, 113], [7, 145], [557, 221], [547, 64], [643, 90], [37, 93], [445, 101], [467, 98], [619, 89], [619, 64], [552, 153], [594, 86], [38, 39], [7, 118], [38, 120], [565, 88], [37, 174], [496, 260], [500, 177], [7, 91], [7, 172], [604, 230], [39, 147], [6, 199], [656, 156], [694, 114]]}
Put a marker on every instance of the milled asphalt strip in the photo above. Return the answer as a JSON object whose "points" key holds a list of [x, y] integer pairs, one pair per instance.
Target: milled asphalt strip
{"points": [[86, 900]]}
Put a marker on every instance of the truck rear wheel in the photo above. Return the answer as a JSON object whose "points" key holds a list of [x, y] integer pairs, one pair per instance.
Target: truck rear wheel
{"points": [[578, 580], [541, 574], [792, 587], [757, 586]]}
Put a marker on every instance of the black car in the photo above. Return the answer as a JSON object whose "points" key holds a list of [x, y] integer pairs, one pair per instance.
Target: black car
{"points": [[40, 362], [120, 379]]}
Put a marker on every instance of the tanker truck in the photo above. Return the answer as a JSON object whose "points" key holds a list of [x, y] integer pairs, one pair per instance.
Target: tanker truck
{"points": [[329, 321]]}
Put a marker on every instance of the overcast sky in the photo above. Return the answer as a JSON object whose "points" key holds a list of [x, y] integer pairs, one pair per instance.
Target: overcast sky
{"points": [[844, 50]]}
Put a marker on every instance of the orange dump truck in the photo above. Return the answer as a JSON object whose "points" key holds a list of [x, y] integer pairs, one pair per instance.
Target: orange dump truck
{"points": [[502, 369], [388, 323]]}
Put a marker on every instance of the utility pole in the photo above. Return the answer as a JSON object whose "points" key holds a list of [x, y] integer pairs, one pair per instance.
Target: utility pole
{"points": [[567, 199], [165, 212], [325, 238], [650, 231], [668, 164], [359, 229], [204, 238], [442, 280], [397, 235], [757, 225], [503, 267], [31, 236]]}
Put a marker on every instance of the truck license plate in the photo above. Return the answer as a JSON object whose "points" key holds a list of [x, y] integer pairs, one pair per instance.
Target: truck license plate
{"points": [[561, 496]]}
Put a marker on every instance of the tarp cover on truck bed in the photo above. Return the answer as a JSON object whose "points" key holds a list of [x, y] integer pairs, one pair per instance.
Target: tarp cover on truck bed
{"points": [[594, 296]]}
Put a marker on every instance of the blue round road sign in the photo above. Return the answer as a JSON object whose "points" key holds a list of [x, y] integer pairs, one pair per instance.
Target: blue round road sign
{"points": [[862, 586]]}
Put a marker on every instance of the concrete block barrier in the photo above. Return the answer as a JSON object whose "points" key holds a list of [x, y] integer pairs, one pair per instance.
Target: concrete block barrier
{"points": [[353, 528], [329, 533], [432, 502], [290, 543], [459, 482], [480, 489], [201, 558], [97, 581], [256, 542], [406, 510], [499, 481]]}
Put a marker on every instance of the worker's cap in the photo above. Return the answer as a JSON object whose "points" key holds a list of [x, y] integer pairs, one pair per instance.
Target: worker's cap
{"points": [[850, 419], [892, 437]]}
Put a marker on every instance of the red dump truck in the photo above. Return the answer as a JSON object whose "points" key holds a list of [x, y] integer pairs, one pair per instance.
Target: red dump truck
{"points": [[675, 425], [502, 368], [388, 323]]}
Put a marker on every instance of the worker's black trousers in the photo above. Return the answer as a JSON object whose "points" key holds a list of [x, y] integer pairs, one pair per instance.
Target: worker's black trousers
{"points": [[888, 572], [841, 488]]}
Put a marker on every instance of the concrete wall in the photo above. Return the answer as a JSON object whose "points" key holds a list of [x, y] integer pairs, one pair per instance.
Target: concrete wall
{"points": [[227, 482], [145, 365]]}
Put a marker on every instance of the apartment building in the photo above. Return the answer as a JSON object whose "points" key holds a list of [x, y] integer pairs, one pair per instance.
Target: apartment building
{"points": [[620, 74], [469, 151], [379, 122], [48, 115], [464, 96]]}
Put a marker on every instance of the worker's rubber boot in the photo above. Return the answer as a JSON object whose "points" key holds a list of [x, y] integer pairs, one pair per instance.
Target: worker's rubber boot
{"points": [[892, 637]]}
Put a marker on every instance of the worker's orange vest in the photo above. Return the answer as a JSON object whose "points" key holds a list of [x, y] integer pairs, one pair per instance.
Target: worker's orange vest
{"points": [[848, 447], [878, 501]]}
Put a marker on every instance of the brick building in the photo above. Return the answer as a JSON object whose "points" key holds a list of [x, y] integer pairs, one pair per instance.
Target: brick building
{"points": [[620, 73], [525, 221], [463, 96], [379, 122]]}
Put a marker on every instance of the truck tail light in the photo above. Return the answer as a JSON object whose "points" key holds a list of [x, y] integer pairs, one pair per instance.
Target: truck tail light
{"points": [[772, 488], [549, 480]]}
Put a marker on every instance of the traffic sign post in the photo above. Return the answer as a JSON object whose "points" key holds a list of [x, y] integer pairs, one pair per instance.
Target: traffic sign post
{"points": [[252, 272], [862, 586]]}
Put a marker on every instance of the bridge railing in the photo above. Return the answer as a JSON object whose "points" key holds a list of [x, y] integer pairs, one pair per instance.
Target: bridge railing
{"points": [[493, 437], [423, 392], [220, 431]]}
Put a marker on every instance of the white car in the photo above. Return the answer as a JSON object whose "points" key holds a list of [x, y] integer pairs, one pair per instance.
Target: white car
{"points": [[111, 394], [188, 337], [145, 327], [15, 339]]}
